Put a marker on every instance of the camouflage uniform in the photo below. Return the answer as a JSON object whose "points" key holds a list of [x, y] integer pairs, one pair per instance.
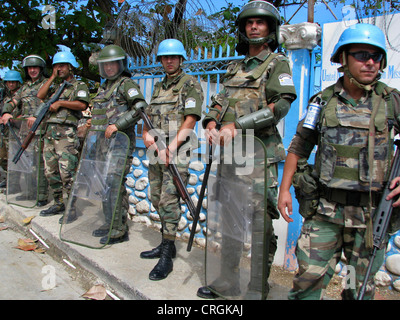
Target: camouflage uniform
{"points": [[342, 216], [61, 141], [172, 100], [270, 80], [4, 130], [27, 105], [114, 99]]}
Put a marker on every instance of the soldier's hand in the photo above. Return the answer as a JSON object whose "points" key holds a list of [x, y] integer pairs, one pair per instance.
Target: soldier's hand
{"points": [[395, 187], [55, 106], [285, 201], [110, 130], [31, 121], [227, 133], [6, 117]]}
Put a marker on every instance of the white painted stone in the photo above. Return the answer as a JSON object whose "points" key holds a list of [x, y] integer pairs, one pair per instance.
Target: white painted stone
{"points": [[136, 161], [396, 285], [193, 179], [140, 194], [182, 223], [143, 207], [132, 199], [201, 242], [393, 264], [130, 182], [382, 279], [141, 183], [196, 165], [137, 173]]}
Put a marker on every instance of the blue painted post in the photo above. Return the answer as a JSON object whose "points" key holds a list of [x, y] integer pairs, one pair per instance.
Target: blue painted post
{"points": [[299, 40]]}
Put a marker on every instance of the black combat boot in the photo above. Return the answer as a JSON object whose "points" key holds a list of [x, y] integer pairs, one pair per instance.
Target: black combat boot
{"points": [[56, 208], [164, 265], [156, 252]]}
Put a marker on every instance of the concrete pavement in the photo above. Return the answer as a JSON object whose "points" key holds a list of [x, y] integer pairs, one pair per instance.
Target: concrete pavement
{"points": [[119, 266]]}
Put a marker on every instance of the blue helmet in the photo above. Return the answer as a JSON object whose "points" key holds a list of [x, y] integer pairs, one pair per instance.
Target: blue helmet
{"points": [[13, 75], [171, 47], [361, 33], [65, 57]]}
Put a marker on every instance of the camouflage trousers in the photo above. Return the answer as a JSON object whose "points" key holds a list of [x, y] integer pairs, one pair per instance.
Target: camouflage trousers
{"points": [[319, 249], [165, 196], [60, 156]]}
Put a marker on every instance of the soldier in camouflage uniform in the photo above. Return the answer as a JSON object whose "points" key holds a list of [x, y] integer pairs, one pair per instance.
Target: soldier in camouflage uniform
{"points": [[13, 82], [25, 103], [114, 109], [174, 109], [60, 138], [354, 133], [257, 94]]}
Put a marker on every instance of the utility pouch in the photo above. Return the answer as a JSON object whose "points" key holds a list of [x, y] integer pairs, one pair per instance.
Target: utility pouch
{"points": [[306, 189]]}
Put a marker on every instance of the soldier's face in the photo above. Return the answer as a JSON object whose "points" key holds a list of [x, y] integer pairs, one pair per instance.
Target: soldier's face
{"points": [[111, 68], [171, 64], [364, 72], [12, 85], [256, 28], [63, 70], [34, 72]]}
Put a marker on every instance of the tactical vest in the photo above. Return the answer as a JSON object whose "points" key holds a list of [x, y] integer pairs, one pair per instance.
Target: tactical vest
{"points": [[247, 94], [108, 105], [167, 107], [29, 99], [64, 115], [355, 148]]}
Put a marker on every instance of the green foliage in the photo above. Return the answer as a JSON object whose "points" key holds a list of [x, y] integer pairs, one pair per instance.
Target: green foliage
{"points": [[22, 33]]}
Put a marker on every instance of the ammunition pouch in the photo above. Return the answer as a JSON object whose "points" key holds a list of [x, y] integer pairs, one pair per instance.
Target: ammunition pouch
{"points": [[306, 189]]}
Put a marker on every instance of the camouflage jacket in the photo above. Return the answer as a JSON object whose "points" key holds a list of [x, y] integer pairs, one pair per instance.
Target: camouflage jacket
{"points": [[172, 100], [252, 84], [78, 90], [342, 136], [26, 98]]}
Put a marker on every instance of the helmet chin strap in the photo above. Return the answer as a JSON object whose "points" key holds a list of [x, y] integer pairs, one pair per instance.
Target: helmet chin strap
{"points": [[345, 69], [258, 41]]}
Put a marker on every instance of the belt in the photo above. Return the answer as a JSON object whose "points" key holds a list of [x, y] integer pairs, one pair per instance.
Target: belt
{"points": [[350, 198]]}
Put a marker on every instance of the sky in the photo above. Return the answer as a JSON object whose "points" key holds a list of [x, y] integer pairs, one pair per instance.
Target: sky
{"points": [[321, 13]]}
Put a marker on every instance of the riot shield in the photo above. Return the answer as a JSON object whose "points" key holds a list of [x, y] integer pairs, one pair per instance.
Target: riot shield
{"points": [[96, 189], [22, 177], [236, 247]]}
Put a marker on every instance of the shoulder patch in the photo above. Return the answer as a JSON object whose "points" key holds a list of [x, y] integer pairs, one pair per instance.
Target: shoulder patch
{"points": [[190, 103], [285, 79], [132, 92], [81, 93]]}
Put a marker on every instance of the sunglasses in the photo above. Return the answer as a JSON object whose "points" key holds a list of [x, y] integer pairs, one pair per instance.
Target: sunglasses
{"points": [[364, 56]]}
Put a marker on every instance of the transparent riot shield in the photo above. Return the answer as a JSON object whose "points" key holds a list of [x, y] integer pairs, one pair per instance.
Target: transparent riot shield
{"points": [[91, 206], [236, 249], [22, 177]]}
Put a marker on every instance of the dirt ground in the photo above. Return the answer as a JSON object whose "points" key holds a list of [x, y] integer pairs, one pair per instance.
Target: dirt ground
{"points": [[285, 278]]}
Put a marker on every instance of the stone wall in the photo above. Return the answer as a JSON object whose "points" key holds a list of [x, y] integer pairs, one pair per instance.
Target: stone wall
{"points": [[141, 208]]}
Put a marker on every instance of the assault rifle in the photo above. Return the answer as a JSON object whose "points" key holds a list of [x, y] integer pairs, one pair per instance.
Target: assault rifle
{"points": [[381, 219], [38, 121], [171, 167], [201, 196]]}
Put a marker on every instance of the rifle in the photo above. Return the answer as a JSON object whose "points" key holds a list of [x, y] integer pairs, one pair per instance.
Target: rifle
{"points": [[38, 121], [382, 218], [171, 167], [202, 192]]}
